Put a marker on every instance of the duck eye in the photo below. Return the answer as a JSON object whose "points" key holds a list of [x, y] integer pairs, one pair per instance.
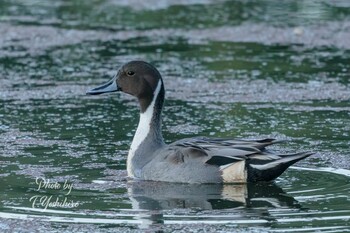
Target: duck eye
{"points": [[130, 73]]}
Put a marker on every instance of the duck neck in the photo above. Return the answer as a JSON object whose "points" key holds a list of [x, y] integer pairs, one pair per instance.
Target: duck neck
{"points": [[148, 137], [150, 123]]}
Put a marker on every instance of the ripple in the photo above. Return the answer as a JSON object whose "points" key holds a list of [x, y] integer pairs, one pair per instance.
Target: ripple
{"points": [[203, 205]]}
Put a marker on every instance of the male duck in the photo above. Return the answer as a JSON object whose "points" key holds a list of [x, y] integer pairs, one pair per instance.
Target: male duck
{"points": [[190, 160]]}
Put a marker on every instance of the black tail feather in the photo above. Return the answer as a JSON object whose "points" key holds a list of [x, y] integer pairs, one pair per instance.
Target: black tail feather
{"points": [[272, 168]]}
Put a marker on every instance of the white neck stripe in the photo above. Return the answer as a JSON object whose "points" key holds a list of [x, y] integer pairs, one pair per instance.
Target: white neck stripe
{"points": [[145, 121]]}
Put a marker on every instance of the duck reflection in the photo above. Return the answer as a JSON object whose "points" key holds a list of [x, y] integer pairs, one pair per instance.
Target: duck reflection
{"points": [[149, 195], [249, 198]]}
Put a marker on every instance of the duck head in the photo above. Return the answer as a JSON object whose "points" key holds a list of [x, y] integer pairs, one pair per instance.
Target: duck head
{"points": [[137, 78]]}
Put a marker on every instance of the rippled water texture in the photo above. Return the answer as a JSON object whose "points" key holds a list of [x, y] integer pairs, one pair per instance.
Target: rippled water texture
{"points": [[245, 69]]}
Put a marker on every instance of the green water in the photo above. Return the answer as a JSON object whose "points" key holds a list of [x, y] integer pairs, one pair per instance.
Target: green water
{"points": [[244, 69]]}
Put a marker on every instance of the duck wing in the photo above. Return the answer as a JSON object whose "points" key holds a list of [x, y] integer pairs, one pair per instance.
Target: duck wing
{"points": [[220, 151], [238, 160]]}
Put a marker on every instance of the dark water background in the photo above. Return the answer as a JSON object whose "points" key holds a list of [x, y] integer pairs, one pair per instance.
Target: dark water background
{"points": [[245, 69]]}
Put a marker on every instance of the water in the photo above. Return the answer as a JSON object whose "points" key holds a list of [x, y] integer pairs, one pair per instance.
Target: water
{"points": [[241, 69]]}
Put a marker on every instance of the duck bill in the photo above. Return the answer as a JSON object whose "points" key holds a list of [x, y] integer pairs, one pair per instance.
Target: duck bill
{"points": [[110, 86]]}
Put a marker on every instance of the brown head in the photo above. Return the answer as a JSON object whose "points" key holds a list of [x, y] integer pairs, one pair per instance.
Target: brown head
{"points": [[137, 78]]}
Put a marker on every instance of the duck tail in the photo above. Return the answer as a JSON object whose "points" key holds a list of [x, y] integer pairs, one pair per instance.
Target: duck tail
{"points": [[269, 169]]}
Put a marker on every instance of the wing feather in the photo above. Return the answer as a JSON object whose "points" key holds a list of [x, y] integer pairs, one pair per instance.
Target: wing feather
{"points": [[218, 151]]}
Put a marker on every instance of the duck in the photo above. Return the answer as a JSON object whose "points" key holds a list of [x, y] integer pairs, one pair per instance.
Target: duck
{"points": [[191, 160]]}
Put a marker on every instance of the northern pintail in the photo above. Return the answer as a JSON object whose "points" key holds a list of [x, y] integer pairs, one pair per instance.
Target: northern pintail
{"points": [[190, 160]]}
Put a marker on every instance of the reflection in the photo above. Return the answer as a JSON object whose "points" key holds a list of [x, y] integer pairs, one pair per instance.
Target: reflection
{"points": [[240, 199], [150, 195]]}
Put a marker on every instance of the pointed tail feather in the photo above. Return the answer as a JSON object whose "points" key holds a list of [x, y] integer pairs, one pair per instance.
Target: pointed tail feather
{"points": [[259, 170]]}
